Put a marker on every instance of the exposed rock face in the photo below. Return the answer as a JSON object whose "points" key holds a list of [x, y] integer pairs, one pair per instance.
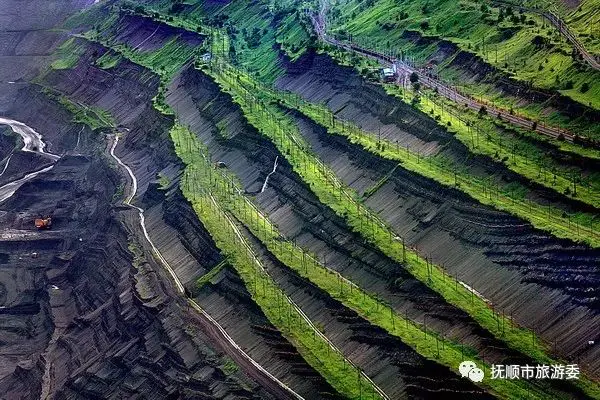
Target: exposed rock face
{"points": [[82, 317], [82, 311], [489, 250]]}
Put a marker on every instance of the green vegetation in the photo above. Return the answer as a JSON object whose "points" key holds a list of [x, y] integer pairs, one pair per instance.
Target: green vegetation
{"points": [[278, 127], [254, 30], [584, 21], [482, 136], [108, 60], [136, 251], [93, 117], [210, 275], [278, 308], [534, 111], [502, 36], [67, 55], [229, 366], [163, 181], [166, 60]]}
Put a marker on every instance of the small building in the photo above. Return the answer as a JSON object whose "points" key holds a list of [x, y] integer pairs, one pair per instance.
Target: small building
{"points": [[206, 57], [388, 75]]}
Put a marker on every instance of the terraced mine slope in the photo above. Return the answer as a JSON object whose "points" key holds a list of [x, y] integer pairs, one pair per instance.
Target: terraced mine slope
{"points": [[233, 202]]}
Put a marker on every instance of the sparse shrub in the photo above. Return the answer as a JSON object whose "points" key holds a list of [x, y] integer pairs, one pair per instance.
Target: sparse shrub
{"points": [[482, 111], [585, 87], [569, 85], [539, 42]]}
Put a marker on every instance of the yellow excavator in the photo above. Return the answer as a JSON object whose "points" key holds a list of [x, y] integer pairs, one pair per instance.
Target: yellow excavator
{"points": [[43, 223]]}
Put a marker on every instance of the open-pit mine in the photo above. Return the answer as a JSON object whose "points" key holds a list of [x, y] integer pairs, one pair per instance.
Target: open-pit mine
{"points": [[345, 199]]}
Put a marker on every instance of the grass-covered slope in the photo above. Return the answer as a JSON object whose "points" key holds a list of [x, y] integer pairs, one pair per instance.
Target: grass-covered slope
{"points": [[521, 44], [584, 20], [259, 31]]}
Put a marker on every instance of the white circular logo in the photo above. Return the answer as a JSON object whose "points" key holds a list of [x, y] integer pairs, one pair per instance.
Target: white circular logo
{"points": [[468, 369]]}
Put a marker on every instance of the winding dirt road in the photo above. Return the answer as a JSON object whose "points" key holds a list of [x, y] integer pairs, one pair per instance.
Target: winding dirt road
{"points": [[210, 325]]}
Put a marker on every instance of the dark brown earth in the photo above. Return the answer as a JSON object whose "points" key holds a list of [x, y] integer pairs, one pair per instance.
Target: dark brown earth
{"points": [[85, 311], [546, 284], [88, 312], [302, 218]]}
